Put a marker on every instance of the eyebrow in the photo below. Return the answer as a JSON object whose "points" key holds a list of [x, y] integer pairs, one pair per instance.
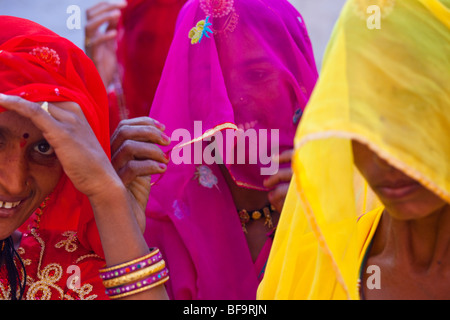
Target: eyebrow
{"points": [[7, 133]]}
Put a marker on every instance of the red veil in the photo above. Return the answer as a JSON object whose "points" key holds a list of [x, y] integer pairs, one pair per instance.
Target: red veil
{"points": [[145, 33], [39, 65]]}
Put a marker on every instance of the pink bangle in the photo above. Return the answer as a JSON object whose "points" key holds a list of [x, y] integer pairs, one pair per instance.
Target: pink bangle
{"points": [[120, 270], [139, 286]]}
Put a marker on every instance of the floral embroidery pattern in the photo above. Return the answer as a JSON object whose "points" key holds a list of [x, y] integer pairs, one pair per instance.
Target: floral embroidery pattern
{"points": [[197, 33], [82, 292], [70, 243], [206, 177], [217, 8], [180, 210], [41, 289], [47, 55], [45, 286]]}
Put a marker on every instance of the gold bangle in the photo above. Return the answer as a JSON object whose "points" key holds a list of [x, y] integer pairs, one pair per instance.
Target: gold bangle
{"points": [[125, 294], [134, 276], [129, 263]]}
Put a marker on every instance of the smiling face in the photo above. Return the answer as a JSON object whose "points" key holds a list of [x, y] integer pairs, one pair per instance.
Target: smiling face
{"points": [[29, 171], [256, 83], [403, 197]]}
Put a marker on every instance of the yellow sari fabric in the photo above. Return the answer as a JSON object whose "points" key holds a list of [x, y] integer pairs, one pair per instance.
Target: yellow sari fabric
{"points": [[389, 88]]}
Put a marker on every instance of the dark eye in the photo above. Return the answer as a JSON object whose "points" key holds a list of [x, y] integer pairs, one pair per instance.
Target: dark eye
{"points": [[44, 148]]}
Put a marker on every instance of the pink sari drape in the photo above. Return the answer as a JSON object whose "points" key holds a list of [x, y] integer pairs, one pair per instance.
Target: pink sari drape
{"points": [[254, 70]]}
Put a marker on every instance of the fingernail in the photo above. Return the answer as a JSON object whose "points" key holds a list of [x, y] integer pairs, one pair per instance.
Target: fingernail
{"points": [[165, 137], [162, 166], [159, 125], [166, 156]]}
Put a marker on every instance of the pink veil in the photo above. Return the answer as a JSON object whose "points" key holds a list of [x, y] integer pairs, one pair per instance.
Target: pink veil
{"points": [[248, 64]]}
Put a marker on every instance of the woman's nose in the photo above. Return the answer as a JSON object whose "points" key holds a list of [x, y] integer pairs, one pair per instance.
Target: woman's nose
{"points": [[385, 166], [14, 173]]}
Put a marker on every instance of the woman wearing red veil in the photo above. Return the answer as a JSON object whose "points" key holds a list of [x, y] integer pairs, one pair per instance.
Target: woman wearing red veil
{"points": [[66, 211]]}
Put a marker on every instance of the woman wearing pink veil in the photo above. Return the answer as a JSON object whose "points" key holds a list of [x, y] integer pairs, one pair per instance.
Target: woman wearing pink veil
{"points": [[244, 67]]}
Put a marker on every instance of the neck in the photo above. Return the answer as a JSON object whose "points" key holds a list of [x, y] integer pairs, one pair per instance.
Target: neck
{"points": [[244, 198], [416, 245]]}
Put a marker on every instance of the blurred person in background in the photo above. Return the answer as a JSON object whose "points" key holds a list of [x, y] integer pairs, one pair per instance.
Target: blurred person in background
{"points": [[128, 42]]}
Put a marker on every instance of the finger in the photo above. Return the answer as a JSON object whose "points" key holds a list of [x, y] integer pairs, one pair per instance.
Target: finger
{"points": [[102, 7], [142, 121], [144, 133], [283, 175], [98, 39], [70, 116], [109, 17], [278, 196], [139, 168], [139, 121], [41, 118], [69, 106], [95, 8], [147, 134], [284, 157], [135, 150]]}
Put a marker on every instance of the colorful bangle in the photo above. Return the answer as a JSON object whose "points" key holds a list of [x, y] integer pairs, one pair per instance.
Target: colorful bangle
{"points": [[139, 286], [134, 276], [131, 266]]}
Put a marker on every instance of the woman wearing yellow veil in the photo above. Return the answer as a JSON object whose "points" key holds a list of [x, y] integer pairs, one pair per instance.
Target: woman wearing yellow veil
{"points": [[378, 123]]}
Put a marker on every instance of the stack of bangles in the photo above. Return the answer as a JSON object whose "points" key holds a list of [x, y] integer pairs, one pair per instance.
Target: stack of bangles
{"points": [[135, 276]]}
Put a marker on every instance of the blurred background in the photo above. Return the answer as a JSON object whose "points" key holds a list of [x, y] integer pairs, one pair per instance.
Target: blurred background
{"points": [[320, 17]]}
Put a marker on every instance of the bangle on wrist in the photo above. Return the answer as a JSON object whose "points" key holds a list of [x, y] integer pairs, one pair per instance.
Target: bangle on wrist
{"points": [[139, 286], [135, 276], [118, 270]]}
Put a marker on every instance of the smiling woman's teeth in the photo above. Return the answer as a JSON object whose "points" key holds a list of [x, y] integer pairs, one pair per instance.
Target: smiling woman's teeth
{"points": [[9, 205]]}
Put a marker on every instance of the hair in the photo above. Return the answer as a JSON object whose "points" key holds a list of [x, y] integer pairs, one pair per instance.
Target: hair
{"points": [[8, 257]]}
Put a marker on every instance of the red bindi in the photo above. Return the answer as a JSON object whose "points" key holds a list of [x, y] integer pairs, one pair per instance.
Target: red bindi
{"points": [[23, 141]]}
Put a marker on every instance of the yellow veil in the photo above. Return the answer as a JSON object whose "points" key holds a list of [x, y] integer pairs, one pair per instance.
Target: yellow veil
{"points": [[386, 83]]}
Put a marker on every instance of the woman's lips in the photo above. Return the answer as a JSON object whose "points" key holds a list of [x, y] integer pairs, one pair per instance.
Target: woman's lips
{"points": [[9, 208], [398, 189]]}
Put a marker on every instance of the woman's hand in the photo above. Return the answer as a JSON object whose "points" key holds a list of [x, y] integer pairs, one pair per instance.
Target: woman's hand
{"points": [[86, 164], [68, 132], [136, 156], [100, 45], [279, 182]]}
